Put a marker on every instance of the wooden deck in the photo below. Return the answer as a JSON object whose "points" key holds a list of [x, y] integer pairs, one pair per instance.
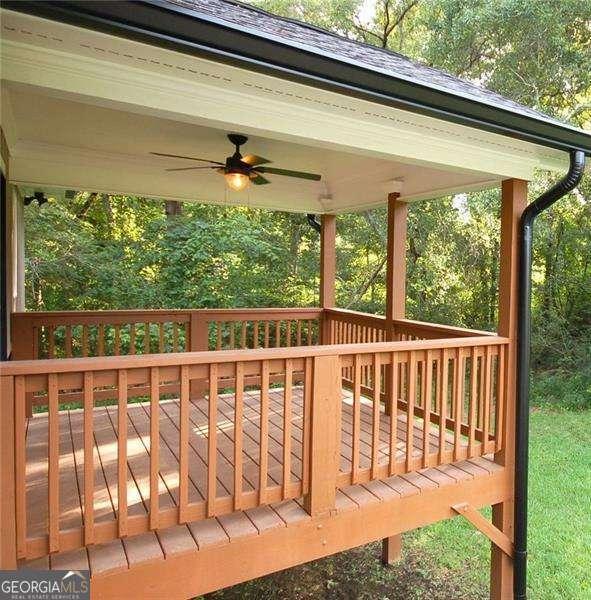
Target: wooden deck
{"points": [[127, 552]]}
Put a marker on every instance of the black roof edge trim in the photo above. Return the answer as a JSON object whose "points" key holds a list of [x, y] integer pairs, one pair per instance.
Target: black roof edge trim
{"points": [[179, 29]]}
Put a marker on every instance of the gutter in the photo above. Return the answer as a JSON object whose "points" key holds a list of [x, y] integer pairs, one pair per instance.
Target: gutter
{"points": [[183, 30], [547, 199]]}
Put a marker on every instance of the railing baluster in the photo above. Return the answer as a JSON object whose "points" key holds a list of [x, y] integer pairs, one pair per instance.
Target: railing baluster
{"points": [[132, 338], [161, 338], [53, 466], [68, 344], [486, 399], [412, 382], [238, 435], [428, 382], [232, 327], [288, 334], [88, 394], [243, 334], [266, 341], [500, 408], [473, 402], [117, 343], [20, 465], [212, 440], [264, 432], [459, 377], [184, 445], [154, 446], [299, 332], [101, 340], [309, 332], [175, 337], [307, 422], [146, 338], [288, 389], [375, 437], [51, 341], [255, 335], [356, 418], [277, 334], [84, 340], [122, 452], [393, 396], [443, 391]]}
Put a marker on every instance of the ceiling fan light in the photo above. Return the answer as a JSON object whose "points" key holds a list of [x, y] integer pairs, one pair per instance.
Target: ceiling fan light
{"points": [[237, 181]]}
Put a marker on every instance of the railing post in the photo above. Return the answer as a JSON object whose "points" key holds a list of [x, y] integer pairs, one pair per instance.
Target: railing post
{"points": [[327, 272], [7, 475], [198, 342], [23, 347], [513, 203], [325, 434]]}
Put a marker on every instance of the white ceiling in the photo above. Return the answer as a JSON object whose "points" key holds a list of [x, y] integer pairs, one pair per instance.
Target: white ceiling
{"points": [[61, 143], [83, 110]]}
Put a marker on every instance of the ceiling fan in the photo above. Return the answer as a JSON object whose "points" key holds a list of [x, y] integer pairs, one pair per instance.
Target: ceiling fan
{"points": [[240, 170]]}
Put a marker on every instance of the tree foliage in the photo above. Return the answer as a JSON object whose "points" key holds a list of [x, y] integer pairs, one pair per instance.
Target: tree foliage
{"points": [[100, 251]]}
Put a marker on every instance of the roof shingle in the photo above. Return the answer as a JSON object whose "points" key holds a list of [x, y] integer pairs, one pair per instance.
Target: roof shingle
{"points": [[385, 61]]}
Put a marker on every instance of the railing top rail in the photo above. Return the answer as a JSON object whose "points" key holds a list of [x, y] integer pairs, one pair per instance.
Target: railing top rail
{"points": [[41, 315], [354, 313], [462, 331], [106, 363]]}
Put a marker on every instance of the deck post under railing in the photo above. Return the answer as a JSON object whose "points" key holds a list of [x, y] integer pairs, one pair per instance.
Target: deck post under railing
{"points": [[325, 430], [327, 271], [395, 309], [198, 342], [513, 203], [7, 475]]}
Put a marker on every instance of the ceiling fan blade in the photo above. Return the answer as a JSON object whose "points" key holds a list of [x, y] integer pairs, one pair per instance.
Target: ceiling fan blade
{"points": [[287, 173], [253, 160], [191, 168], [213, 162], [260, 180]]}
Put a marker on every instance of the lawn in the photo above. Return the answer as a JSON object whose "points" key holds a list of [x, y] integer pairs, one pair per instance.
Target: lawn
{"points": [[449, 560]]}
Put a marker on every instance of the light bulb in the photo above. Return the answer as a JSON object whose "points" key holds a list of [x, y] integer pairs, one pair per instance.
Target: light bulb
{"points": [[237, 181]]}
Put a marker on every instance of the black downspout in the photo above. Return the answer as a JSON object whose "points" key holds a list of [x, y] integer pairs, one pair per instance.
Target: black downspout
{"points": [[565, 185], [314, 224]]}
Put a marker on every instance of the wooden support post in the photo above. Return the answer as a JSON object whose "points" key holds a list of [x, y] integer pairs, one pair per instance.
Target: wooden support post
{"points": [[325, 432], [513, 203], [327, 271], [391, 549], [395, 309], [7, 475], [198, 342]]}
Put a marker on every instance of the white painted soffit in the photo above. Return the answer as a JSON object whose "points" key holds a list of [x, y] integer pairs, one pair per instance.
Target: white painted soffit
{"points": [[74, 63]]}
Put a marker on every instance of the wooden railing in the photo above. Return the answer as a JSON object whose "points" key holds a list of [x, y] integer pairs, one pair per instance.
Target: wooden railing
{"points": [[454, 387], [243, 372], [70, 334]]}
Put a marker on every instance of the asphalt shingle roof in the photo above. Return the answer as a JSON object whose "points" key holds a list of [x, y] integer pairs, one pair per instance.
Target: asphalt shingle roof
{"points": [[373, 58]]}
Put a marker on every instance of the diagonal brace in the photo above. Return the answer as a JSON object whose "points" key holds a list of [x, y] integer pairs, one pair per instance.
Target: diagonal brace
{"points": [[496, 536]]}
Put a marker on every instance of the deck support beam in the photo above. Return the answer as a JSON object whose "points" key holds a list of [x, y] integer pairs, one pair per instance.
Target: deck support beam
{"points": [[513, 203], [391, 549], [328, 261], [395, 309], [496, 536]]}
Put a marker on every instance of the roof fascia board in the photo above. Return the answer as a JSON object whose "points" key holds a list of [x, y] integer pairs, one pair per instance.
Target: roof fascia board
{"points": [[183, 30]]}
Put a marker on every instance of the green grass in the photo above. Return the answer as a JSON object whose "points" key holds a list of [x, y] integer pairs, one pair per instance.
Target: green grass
{"points": [[450, 560]]}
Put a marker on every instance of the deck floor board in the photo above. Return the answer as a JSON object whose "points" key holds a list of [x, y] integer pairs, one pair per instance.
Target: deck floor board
{"points": [[222, 529]]}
